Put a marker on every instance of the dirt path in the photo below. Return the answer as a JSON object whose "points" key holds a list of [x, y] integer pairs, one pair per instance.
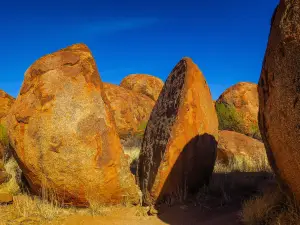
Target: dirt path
{"points": [[177, 215]]}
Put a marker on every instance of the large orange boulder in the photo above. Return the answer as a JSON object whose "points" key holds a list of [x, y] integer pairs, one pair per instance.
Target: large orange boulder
{"points": [[144, 84], [279, 95], [237, 109], [233, 145], [129, 109], [179, 146], [6, 101], [63, 134]]}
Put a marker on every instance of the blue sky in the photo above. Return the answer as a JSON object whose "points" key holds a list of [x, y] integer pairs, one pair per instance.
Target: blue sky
{"points": [[227, 39]]}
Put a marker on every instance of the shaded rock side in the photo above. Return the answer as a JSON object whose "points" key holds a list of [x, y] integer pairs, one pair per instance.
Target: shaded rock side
{"points": [[179, 146], [62, 132], [129, 109], [243, 99], [144, 84], [279, 95]]}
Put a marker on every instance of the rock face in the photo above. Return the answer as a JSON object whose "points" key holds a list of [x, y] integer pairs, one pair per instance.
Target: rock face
{"points": [[242, 100], [129, 109], [232, 145], [144, 84], [6, 101], [179, 146], [63, 133], [279, 95]]}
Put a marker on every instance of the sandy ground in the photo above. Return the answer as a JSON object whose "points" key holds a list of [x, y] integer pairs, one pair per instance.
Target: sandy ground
{"points": [[177, 215]]}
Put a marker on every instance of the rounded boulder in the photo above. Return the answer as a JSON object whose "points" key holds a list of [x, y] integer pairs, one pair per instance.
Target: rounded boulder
{"points": [[144, 84], [62, 132]]}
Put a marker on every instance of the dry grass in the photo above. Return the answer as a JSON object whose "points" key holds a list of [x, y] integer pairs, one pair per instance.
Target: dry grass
{"points": [[12, 186], [272, 207], [244, 164], [239, 179], [236, 181], [27, 209], [133, 153]]}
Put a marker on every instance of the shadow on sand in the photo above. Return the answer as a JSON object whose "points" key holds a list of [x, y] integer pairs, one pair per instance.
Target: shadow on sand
{"points": [[191, 196]]}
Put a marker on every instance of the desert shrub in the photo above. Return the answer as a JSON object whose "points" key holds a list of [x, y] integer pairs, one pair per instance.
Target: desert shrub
{"points": [[228, 117], [141, 128], [3, 136], [255, 132]]}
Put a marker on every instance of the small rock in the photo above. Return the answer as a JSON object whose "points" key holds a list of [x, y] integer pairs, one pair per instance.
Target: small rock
{"points": [[6, 198]]}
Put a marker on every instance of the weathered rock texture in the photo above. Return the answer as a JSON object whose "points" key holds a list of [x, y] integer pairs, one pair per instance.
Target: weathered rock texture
{"points": [[144, 84], [233, 145], [6, 101], [63, 133], [243, 97], [129, 109], [179, 147], [279, 95]]}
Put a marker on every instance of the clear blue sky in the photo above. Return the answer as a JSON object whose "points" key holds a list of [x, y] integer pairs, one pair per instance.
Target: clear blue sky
{"points": [[227, 39]]}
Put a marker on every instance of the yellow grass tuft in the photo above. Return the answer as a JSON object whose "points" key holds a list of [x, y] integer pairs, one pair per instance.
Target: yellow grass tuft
{"points": [[273, 207], [244, 164], [12, 185]]}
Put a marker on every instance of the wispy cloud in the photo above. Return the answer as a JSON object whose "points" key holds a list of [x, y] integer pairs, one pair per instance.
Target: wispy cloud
{"points": [[121, 24]]}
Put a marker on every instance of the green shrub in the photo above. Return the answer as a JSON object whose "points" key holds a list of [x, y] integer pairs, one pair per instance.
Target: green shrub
{"points": [[142, 128], [3, 136], [228, 117], [255, 132]]}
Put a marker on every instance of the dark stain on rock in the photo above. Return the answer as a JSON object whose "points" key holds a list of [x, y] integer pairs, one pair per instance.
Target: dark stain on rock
{"points": [[55, 144], [91, 125], [158, 130], [103, 157], [295, 102], [22, 119], [46, 99]]}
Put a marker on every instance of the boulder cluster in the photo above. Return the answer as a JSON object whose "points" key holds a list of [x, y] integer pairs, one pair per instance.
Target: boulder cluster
{"points": [[66, 127]]}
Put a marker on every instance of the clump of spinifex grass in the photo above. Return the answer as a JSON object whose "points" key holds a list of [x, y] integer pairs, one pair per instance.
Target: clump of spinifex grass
{"points": [[272, 207], [244, 163], [3, 136]]}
